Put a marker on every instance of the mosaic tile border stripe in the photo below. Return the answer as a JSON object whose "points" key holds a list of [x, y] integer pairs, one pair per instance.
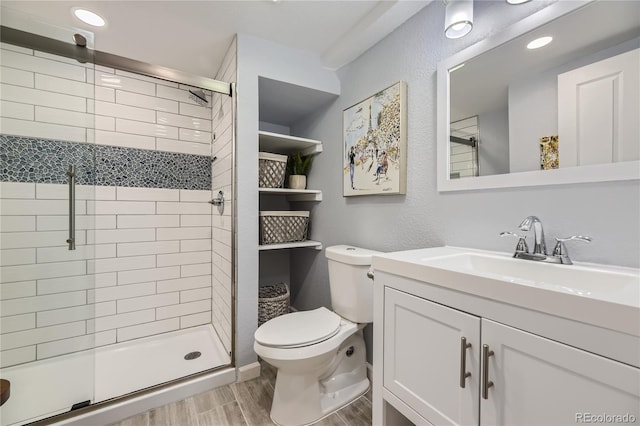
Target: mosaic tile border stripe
{"points": [[24, 159]]}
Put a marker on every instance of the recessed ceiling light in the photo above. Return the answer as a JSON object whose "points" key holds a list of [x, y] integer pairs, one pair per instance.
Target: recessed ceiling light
{"points": [[539, 42], [517, 1], [89, 17]]}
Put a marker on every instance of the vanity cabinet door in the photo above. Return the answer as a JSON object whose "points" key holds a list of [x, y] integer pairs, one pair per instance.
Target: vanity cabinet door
{"points": [[422, 358], [537, 381]]}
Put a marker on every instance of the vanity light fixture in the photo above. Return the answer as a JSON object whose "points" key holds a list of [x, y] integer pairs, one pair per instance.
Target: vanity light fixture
{"points": [[517, 1], [458, 18], [539, 42], [89, 17]]}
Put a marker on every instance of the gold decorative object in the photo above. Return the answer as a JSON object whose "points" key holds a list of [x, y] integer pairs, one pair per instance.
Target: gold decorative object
{"points": [[549, 157]]}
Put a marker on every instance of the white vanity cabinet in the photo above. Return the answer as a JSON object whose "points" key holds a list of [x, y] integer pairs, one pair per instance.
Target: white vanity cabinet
{"points": [[421, 363], [422, 358], [537, 381]]}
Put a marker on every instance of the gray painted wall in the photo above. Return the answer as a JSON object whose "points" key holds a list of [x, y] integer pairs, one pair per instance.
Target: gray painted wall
{"points": [[493, 149], [260, 58], [423, 217]]}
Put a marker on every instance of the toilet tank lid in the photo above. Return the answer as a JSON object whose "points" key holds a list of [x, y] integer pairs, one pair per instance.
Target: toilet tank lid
{"points": [[350, 255]]}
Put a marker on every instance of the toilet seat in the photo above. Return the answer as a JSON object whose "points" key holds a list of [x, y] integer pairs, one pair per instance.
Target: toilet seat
{"points": [[299, 329]]}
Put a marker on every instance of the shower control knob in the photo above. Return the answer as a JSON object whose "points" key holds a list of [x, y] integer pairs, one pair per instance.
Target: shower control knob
{"points": [[219, 200]]}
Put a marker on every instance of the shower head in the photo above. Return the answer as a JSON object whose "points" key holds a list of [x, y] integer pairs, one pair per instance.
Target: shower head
{"points": [[80, 40], [199, 96]]}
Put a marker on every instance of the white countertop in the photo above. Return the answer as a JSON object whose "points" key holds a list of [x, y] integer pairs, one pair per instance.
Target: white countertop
{"points": [[601, 295]]}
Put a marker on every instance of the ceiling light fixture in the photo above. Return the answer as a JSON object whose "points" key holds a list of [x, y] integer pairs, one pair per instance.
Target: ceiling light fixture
{"points": [[458, 18], [539, 42], [89, 17], [517, 1]]}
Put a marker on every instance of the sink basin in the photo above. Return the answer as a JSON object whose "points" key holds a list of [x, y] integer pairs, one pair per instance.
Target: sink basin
{"points": [[593, 282], [602, 295]]}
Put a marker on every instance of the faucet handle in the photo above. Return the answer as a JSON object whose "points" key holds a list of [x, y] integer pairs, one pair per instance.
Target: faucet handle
{"points": [[560, 249], [522, 241], [574, 237]]}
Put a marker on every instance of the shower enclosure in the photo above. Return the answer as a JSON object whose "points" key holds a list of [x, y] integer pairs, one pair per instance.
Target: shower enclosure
{"points": [[116, 269], [463, 146]]}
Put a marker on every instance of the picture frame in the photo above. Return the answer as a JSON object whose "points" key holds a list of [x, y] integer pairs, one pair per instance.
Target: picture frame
{"points": [[375, 144]]}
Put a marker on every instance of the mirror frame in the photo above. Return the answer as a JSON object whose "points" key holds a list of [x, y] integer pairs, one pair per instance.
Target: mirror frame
{"points": [[628, 170]]}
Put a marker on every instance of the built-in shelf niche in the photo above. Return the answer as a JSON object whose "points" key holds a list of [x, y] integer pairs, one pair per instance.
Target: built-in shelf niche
{"points": [[294, 194], [286, 144], [301, 244]]}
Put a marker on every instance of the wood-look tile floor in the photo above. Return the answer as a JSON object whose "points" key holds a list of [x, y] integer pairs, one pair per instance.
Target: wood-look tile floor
{"points": [[247, 403]]}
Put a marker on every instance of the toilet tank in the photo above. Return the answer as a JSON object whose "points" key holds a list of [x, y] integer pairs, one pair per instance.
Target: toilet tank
{"points": [[351, 289]]}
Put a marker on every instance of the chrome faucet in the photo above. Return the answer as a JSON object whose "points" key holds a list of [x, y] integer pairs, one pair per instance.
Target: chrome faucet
{"points": [[539, 245], [560, 254]]}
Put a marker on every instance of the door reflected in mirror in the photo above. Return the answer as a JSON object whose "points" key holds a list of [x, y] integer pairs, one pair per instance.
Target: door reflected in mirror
{"points": [[581, 92]]}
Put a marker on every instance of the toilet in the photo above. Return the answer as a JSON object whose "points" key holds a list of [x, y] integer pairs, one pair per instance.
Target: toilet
{"points": [[320, 354]]}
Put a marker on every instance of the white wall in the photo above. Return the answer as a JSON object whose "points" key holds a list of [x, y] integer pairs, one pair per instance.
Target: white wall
{"points": [[533, 108], [144, 256], [608, 212], [493, 150], [533, 113]]}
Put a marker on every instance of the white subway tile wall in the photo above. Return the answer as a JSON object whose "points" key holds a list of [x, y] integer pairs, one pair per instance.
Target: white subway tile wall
{"points": [[145, 256], [141, 273], [55, 98], [464, 161], [222, 179]]}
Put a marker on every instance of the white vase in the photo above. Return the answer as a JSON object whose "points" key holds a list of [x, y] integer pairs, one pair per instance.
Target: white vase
{"points": [[297, 182]]}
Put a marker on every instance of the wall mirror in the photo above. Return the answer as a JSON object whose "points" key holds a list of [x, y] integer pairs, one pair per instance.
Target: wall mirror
{"points": [[567, 112]]}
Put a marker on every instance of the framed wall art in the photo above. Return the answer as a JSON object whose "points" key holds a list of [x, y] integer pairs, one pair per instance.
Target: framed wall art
{"points": [[375, 144]]}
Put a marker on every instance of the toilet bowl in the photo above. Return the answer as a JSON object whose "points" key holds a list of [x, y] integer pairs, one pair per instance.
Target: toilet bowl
{"points": [[320, 355], [316, 376]]}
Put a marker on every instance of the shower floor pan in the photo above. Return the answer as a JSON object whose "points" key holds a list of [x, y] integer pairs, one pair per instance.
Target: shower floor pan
{"points": [[52, 386]]}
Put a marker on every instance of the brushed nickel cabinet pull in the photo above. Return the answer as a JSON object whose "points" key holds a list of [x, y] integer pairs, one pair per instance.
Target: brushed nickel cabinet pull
{"points": [[486, 383], [72, 207], [463, 361]]}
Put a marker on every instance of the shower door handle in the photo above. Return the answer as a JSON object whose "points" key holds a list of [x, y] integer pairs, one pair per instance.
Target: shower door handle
{"points": [[72, 207]]}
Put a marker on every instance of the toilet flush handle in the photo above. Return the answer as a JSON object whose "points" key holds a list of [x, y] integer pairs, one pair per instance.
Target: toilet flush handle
{"points": [[370, 273]]}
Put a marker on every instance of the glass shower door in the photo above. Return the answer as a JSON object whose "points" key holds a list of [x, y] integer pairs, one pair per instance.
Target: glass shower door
{"points": [[47, 178]]}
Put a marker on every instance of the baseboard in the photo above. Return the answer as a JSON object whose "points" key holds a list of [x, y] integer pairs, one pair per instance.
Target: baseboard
{"points": [[248, 372]]}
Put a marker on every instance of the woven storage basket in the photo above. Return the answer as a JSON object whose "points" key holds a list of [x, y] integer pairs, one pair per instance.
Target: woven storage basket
{"points": [[271, 170], [283, 226], [273, 301]]}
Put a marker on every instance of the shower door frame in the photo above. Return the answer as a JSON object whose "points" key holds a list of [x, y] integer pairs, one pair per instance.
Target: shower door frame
{"points": [[84, 54]]}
